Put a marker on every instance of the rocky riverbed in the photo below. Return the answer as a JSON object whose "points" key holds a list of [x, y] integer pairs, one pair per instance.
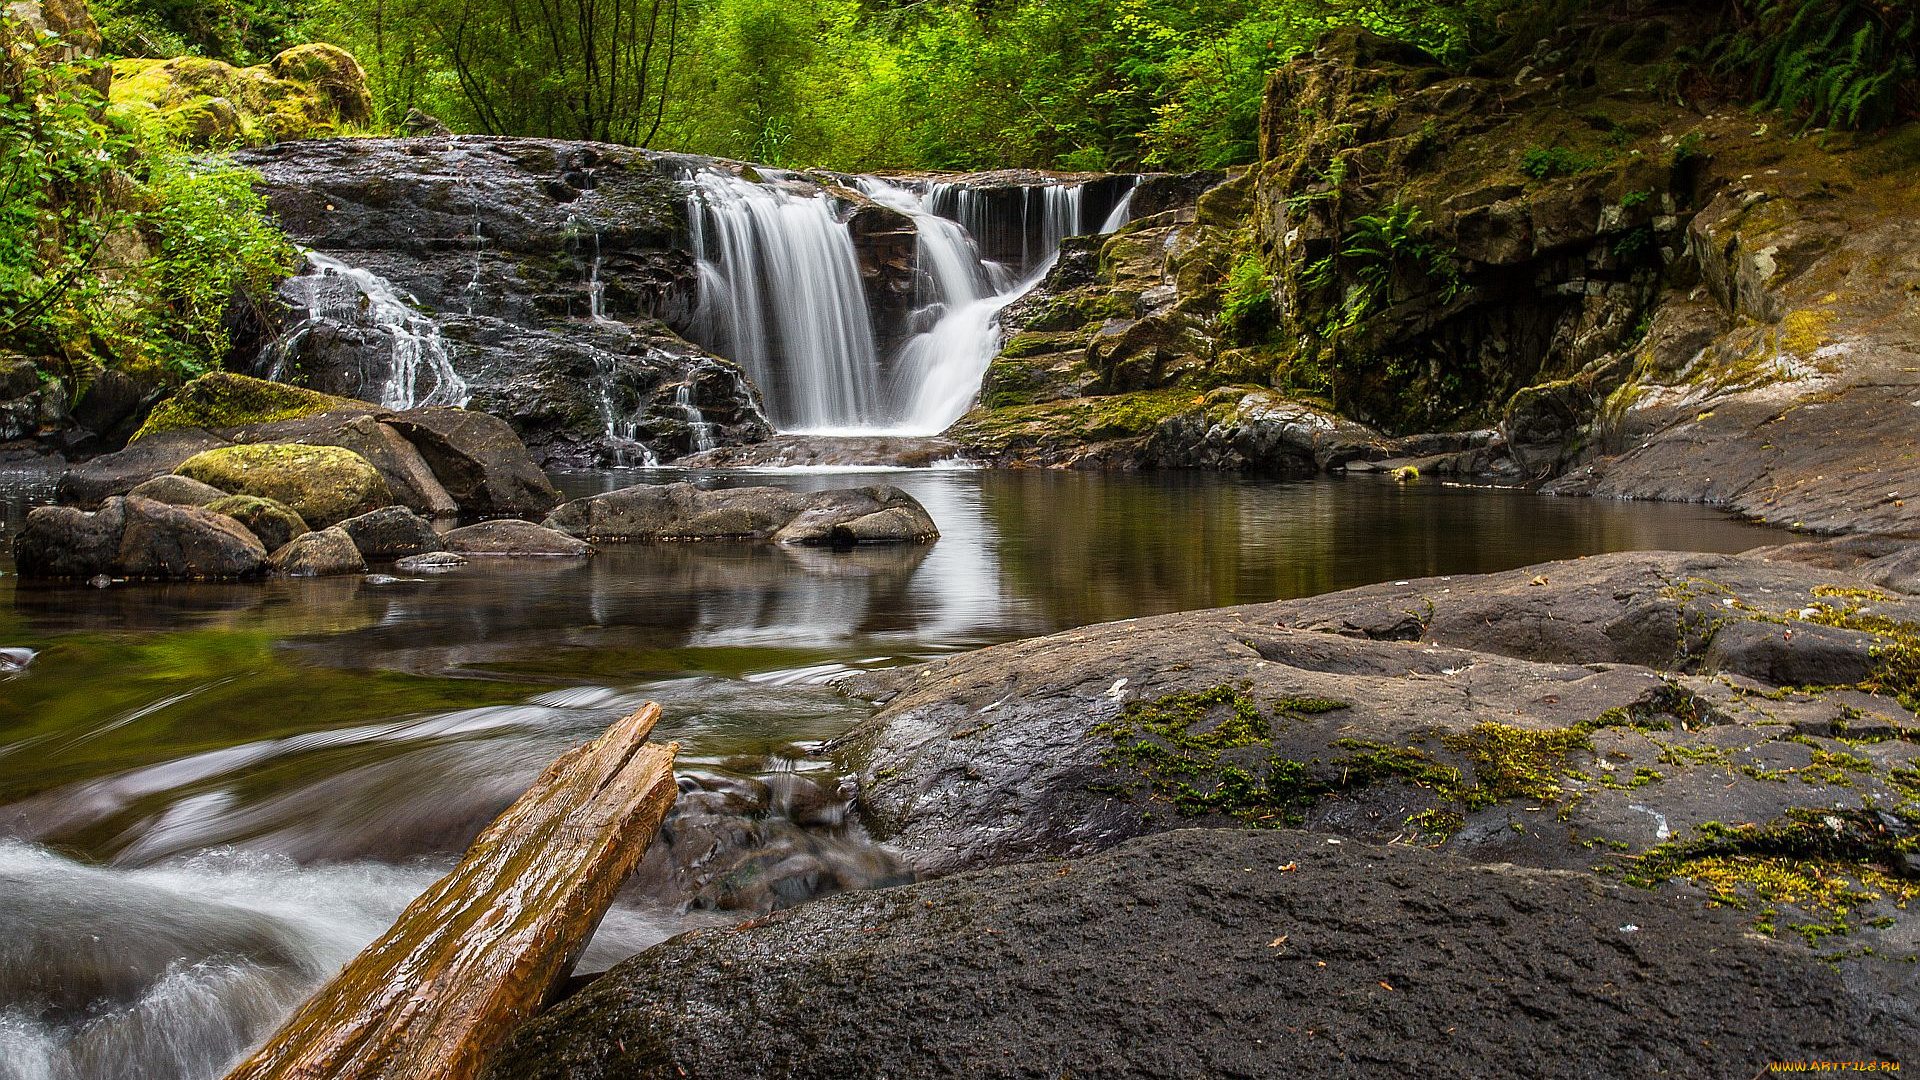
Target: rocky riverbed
{"points": [[1612, 816]]}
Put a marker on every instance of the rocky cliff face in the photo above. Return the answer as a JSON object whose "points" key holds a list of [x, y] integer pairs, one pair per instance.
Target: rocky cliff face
{"points": [[547, 273], [1546, 257]]}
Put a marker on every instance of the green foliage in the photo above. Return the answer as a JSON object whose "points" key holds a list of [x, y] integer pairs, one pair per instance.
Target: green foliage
{"points": [[863, 84], [115, 246], [1247, 309], [1376, 248], [240, 32], [1547, 162], [1830, 63]]}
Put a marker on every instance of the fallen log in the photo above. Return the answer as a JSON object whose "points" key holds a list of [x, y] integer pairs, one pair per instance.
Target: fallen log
{"points": [[484, 948]]}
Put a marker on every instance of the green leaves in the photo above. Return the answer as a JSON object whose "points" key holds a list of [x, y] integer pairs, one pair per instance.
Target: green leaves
{"points": [[1831, 63], [115, 246]]}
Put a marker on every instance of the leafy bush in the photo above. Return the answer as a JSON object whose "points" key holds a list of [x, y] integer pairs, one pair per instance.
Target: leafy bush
{"points": [[1247, 309], [116, 247]]}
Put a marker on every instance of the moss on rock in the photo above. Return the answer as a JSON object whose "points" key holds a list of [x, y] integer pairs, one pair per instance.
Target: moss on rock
{"points": [[223, 400], [306, 92], [322, 484]]}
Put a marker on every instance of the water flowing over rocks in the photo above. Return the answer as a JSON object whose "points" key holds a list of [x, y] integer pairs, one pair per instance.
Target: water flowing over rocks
{"points": [[530, 278], [1259, 954], [879, 514]]}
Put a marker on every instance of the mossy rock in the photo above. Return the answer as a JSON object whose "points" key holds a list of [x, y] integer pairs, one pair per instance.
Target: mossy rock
{"points": [[272, 521], [224, 400], [306, 92], [322, 484]]}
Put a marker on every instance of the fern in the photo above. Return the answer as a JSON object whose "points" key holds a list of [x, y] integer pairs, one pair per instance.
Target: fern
{"points": [[1830, 63]]}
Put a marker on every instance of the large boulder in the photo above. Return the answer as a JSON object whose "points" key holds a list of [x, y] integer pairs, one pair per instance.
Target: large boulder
{"points": [[323, 484], [479, 460], [508, 537], [273, 522], [1223, 953], [392, 532], [319, 554], [666, 512], [136, 538], [306, 92]]}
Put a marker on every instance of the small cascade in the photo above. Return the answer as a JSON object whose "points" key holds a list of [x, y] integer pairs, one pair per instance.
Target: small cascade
{"points": [[420, 359], [781, 295], [1122, 211], [696, 420]]}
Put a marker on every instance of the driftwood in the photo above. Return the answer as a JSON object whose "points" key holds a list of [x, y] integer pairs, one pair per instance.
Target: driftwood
{"points": [[484, 948]]}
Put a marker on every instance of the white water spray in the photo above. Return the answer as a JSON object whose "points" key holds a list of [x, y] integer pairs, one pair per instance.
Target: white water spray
{"points": [[420, 369]]}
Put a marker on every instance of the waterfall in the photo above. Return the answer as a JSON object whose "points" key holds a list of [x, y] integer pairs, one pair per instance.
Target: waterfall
{"points": [[781, 295], [418, 352]]}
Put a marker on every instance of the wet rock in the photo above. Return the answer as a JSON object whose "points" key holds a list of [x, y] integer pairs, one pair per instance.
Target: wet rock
{"points": [[785, 451], [430, 562], [90, 482], [325, 553], [177, 491], [479, 460], [1272, 953], [407, 474], [273, 522], [323, 484], [559, 315], [136, 538], [671, 512], [506, 536], [392, 532], [1027, 749]]}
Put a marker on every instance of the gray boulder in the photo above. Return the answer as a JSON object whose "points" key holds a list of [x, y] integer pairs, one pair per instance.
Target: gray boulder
{"points": [[136, 538], [319, 554], [90, 482], [506, 536], [479, 460], [667, 512], [178, 491], [392, 532]]}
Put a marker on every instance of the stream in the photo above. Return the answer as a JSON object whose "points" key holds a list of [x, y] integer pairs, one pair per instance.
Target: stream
{"points": [[211, 796]]}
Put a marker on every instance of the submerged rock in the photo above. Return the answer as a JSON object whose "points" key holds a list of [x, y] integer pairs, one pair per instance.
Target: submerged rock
{"points": [[136, 538], [877, 514], [323, 484], [430, 562], [1221, 953], [506, 536]]}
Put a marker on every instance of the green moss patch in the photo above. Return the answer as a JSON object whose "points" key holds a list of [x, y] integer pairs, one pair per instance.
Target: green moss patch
{"points": [[223, 400]]}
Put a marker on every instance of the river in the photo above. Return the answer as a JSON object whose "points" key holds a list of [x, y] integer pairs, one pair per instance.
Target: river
{"points": [[211, 796]]}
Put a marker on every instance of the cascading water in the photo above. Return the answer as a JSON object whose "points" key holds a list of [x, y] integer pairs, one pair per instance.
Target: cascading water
{"points": [[696, 420], [419, 357], [781, 296], [780, 292]]}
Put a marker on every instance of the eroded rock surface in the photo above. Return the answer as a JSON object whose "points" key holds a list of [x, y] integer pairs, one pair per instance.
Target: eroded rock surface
{"points": [[1219, 953]]}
